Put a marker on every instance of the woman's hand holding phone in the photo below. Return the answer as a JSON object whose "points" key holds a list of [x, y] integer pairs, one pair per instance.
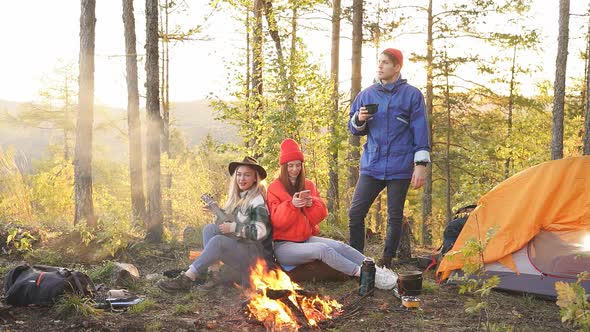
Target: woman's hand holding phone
{"points": [[306, 196], [297, 201], [302, 198]]}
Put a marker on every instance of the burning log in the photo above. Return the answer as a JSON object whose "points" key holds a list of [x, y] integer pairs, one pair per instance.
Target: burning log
{"points": [[278, 303], [295, 309], [275, 294]]}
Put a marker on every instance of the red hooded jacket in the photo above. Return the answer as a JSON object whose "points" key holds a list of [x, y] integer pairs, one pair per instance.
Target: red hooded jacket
{"points": [[290, 223]]}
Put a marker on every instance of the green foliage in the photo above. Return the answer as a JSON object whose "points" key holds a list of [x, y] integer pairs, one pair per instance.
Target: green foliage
{"points": [[474, 280], [15, 195], [573, 303], [46, 256], [73, 304], [85, 234], [141, 307], [429, 287], [103, 273], [182, 309], [52, 189], [196, 171], [20, 240], [153, 326]]}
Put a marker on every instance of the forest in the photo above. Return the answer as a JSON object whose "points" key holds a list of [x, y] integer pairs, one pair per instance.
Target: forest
{"points": [[124, 184]]}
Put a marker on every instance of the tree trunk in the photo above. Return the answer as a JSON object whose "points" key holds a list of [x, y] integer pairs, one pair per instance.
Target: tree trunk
{"points": [[274, 34], [405, 244], [427, 194], [154, 205], [448, 142], [510, 111], [257, 88], [66, 117], [586, 140], [380, 223], [133, 120], [333, 192], [355, 87], [247, 82], [165, 102], [559, 85], [84, 208]]}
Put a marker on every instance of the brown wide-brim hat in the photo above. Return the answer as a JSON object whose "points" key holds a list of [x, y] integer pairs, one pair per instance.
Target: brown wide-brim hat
{"points": [[248, 161]]}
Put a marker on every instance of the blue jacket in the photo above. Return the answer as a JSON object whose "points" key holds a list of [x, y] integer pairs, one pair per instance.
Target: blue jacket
{"points": [[397, 135]]}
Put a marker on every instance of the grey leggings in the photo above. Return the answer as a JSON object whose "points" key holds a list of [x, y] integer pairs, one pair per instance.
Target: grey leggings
{"points": [[336, 254]]}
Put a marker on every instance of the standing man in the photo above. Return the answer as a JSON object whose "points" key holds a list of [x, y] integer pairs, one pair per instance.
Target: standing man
{"points": [[396, 153]]}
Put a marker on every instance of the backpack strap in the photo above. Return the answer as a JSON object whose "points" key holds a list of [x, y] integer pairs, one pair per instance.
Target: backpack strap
{"points": [[78, 284], [38, 282]]}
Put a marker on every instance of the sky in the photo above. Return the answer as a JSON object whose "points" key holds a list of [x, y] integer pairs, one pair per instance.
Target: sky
{"points": [[38, 34]]}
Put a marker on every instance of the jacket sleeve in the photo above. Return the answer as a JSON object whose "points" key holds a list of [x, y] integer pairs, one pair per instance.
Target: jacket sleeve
{"points": [[282, 213], [353, 125], [317, 211], [258, 227], [419, 128]]}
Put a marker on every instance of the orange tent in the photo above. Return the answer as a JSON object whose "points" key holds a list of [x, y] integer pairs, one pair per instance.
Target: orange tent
{"points": [[550, 198]]}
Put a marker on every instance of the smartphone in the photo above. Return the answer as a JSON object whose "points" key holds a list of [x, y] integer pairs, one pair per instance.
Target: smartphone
{"points": [[304, 194]]}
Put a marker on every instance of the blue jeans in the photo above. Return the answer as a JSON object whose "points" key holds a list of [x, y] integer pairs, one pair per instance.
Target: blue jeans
{"points": [[338, 255], [367, 189]]}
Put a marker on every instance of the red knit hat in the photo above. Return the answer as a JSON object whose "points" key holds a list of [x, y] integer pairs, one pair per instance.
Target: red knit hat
{"points": [[290, 151], [397, 54]]}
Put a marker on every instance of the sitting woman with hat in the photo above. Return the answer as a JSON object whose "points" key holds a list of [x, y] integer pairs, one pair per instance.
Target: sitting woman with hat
{"points": [[236, 243], [296, 210]]}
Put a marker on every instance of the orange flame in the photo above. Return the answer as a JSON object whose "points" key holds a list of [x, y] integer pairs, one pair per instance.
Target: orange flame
{"points": [[278, 314]]}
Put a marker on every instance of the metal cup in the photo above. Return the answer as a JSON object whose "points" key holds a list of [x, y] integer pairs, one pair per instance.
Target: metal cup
{"points": [[372, 108]]}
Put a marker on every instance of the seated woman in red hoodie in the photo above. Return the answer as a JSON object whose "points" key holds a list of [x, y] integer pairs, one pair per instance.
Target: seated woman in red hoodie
{"points": [[295, 217]]}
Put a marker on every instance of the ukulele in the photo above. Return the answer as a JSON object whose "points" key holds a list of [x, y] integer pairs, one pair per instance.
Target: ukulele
{"points": [[221, 216], [212, 206]]}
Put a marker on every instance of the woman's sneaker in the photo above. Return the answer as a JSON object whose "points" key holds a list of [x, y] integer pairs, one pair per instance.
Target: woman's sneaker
{"points": [[182, 283]]}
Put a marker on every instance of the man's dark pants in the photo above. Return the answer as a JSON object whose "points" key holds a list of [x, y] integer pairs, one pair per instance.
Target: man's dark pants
{"points": [[367, 189]]}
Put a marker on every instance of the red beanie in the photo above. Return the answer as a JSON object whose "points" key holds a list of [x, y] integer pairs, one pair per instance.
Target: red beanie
{"points": [[397, 54], [290, 151]]}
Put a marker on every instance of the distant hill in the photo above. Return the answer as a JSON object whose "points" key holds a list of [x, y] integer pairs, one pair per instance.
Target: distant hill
{"points": [[194, 119]]}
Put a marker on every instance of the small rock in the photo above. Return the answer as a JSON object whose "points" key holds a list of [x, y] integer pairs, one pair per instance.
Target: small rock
{"points": [[125, 273]]}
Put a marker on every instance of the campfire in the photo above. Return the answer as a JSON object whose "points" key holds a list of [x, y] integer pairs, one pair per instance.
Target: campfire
{"points": [[278, 303]]}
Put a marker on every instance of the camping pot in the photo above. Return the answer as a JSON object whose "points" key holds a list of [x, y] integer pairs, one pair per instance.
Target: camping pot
{"points": [[409, 283]]}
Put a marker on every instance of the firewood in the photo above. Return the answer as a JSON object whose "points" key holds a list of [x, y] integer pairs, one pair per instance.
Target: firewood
{"points": [[275, 294], [299, 314]]}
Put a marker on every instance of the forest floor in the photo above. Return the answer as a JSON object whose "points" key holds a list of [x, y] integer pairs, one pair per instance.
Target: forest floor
{"points": [[222, 308]]}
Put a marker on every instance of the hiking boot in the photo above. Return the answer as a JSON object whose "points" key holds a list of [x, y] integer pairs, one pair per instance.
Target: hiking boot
{"points": [[182, 283], [385, 262], [208, 285], [201, 278]]}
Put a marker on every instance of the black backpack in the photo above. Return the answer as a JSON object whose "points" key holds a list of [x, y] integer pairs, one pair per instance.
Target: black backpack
{"points": [[454, 227], [44, 285]]}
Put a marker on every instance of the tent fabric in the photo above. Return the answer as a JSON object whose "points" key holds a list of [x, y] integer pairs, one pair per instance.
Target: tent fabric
{"points": [[553, 197]]}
